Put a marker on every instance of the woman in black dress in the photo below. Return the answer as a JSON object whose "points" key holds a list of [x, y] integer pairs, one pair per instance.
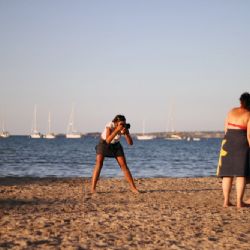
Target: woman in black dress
{"points": [[234, 154]]}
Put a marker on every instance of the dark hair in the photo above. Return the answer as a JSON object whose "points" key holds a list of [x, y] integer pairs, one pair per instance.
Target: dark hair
{"points": [[245, 100], [119, 118]]}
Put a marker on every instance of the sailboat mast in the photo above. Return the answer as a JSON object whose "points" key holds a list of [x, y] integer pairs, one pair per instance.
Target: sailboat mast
{"points": [[3, 129], [143, 127], [49, 123], [171, 125], [71, 120], [35, 128]]}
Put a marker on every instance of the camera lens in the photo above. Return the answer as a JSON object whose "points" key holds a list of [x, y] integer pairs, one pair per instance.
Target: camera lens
{"points": [[127, 126]]}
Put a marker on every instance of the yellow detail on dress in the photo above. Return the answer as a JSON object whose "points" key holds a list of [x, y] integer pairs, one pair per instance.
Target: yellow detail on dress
{"points": [[222, 154]]}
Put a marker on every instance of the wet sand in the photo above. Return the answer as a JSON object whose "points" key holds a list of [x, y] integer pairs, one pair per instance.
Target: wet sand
{"points": [[169, 213]]}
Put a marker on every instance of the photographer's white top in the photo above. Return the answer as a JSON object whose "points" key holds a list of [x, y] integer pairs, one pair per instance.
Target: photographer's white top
{"points": [[110, 125]]}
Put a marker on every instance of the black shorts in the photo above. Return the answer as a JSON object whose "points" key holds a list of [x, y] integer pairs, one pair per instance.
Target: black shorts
{"points": [[112, 150]]}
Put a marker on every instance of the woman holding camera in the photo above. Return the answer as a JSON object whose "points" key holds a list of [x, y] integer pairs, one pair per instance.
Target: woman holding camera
{"points": [[110, 146]]}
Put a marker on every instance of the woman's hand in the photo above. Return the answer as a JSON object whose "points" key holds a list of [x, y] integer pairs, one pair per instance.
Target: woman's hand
{"points": [[124, 131], [120, 127]]}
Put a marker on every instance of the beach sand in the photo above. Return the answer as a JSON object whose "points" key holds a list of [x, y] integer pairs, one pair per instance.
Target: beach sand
{"points": [[169, 213]]}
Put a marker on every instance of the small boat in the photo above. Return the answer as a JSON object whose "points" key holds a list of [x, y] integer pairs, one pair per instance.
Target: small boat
{"points": [[196, 139], [49, 135], [35, 133], [71, 132], [73, 135], [4, 133], [174, 137], [144, 136], [173, 134]]}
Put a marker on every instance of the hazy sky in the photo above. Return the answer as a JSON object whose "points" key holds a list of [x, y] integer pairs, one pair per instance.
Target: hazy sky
{"points": [[139, 58]]}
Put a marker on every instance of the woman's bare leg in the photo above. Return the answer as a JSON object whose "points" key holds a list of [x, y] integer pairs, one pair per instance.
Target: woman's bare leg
{"points": [[96, 172], [128, 176], [248, 182], [240, 189], [226, 187]]}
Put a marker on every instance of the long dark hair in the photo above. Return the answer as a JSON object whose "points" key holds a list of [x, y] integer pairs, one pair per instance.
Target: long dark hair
{"points": [[245, 100]]}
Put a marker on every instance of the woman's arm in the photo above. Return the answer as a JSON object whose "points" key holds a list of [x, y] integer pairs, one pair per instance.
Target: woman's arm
{"points": [[248, 132], [128, 137], [110, 135]]}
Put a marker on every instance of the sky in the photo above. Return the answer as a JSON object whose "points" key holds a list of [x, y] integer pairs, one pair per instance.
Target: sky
{"points": [[153, 61]]}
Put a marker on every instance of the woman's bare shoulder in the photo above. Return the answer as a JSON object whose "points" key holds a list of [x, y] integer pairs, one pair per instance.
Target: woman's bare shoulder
{"points": [[233, 111]]}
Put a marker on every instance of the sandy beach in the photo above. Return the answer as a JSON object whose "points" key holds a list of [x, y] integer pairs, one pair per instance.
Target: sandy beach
{"points": [[169, 213]]}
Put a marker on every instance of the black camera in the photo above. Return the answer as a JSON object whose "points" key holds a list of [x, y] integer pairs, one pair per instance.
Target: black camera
{"points": [[127, 125]]}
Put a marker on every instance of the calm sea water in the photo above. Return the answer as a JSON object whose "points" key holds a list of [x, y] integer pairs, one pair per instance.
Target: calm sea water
{"points": [[22, 156]]}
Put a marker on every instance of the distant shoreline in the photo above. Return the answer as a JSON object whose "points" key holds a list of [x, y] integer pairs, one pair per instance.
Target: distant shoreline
{"points": [[183, 134]]}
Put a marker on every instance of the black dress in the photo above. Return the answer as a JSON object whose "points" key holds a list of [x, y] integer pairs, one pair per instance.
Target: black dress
{"points": [[234, 154]]}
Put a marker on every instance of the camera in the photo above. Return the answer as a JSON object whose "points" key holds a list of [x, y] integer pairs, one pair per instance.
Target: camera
{"points": [[126, 125]]}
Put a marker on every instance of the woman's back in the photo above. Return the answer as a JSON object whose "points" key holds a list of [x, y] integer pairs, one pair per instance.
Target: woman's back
{"points": [[238, 118]]}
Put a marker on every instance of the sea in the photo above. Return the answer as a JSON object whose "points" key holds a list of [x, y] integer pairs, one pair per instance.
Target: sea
{"points": [[21, 156]]}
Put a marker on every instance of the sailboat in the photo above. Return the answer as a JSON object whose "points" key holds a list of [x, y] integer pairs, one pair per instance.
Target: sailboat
{"points": [[35, 134], [196, 139], [4, 133], [173, 135], [49, 135], [71, 132], [144, 136]]}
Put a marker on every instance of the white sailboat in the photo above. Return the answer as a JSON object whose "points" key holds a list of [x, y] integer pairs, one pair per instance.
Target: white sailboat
{"points": [[144, 136], [4, 133], [35, 134], [71, 132], [49, 135], [196, 139], [173, 135]]}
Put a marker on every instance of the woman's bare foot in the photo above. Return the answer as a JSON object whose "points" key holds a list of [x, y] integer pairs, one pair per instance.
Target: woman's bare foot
{"points": [[93, 191], [135, 191], [227, 204], [248, 202], [242, 204]]}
